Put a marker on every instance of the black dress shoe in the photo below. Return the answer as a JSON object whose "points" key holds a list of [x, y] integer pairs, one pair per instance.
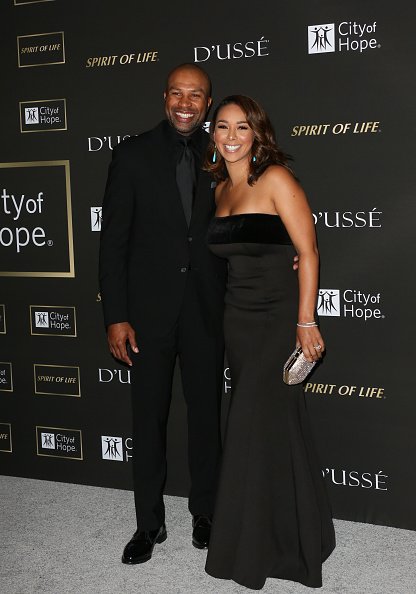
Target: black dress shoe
{"points": [[201, 531], [140, 548]]}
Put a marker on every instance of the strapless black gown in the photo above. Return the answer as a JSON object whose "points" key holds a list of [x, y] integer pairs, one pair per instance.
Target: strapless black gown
{"points": [[272, 516]]}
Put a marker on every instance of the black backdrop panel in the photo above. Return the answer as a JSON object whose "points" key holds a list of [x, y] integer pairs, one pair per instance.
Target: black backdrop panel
{"points": [[337, 80]]}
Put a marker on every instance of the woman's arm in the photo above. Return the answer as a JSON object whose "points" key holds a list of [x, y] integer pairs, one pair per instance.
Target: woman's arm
{"points": [[291, 204]]}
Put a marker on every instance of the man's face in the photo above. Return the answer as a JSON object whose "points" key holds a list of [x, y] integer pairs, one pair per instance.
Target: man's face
{"points": [[187, 99]]}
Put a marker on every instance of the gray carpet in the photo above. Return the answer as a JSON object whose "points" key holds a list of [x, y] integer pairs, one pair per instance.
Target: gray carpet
{"points": [[67, 539]]}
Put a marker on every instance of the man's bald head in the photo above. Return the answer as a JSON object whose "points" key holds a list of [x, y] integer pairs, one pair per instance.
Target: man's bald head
{"points": [[189, 66]]}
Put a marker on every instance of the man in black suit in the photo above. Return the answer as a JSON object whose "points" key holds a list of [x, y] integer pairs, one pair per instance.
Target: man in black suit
{"points": [[162, 293]]}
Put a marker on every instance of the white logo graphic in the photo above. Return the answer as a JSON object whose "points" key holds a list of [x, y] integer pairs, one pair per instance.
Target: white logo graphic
{"points": [[351, 36], [349, 219], [31, 115], [230, 51], [227, 380], [96, 143], [328, 302], [350, 303], [96, 217], [112, 448], [106, 376], [42, 319], [356, 478], [321, 38], [48, 440]]}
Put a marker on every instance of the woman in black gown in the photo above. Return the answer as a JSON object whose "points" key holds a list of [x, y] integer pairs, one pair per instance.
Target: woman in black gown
{"points": [[272, 517]]}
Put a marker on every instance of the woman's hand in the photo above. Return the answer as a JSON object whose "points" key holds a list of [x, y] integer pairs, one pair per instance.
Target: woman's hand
{"points": [[311, 341]]}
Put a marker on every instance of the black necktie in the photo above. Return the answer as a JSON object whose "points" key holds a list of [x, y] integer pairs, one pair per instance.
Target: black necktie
{"points": [[185, 178]]}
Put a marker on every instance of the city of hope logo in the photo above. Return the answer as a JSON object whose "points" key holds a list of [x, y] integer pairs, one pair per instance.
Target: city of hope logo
{"points": [[53, 320], [43, 115], [41, 319], [351, 303], [36, 235], [48, 441], [328, 302], [116, 449], [352, 36], [112, 448], [96, 217], [6, 377], [321, 38], [31, 115], [56, 442]]}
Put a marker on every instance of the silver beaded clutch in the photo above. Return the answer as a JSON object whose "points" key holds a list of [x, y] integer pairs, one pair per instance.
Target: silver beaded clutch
{"points": [[296, 368]]}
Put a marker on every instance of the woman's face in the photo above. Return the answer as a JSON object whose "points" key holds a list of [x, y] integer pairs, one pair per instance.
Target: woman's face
{"points": [[232, 134]]}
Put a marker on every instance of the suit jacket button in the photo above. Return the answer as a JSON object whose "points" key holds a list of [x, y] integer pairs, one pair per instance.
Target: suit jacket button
{"points": [[183, 269], [189, 239]]}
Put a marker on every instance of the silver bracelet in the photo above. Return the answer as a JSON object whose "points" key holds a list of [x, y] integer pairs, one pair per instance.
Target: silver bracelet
{"points": [[307, 325]]}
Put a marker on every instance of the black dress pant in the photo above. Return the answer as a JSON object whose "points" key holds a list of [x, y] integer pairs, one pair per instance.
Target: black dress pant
{"points": [[199, 346]]}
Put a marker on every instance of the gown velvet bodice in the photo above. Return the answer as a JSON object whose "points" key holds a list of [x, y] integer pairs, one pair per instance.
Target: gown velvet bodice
{"points": [[248, 228]]}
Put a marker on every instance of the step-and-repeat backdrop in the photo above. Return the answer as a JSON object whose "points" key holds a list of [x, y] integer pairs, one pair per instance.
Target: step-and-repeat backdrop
{"points": [[338, 82]]}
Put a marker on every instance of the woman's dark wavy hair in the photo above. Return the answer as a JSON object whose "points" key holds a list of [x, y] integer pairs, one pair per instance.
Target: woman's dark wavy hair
{"points": [[264, 147]]}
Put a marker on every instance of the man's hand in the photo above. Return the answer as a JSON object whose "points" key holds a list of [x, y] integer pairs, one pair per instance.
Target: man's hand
{"points": [[295, 262], [118, 335]]}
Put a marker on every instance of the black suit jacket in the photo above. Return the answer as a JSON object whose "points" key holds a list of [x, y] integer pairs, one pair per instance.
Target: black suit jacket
{"points": [[147, 252]]}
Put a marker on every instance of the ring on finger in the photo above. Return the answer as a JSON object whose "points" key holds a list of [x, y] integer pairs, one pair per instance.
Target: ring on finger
{"points": [[317, 347]]}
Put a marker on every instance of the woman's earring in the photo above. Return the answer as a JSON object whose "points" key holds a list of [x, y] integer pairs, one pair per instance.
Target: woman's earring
{"points": [[254, 158], [214, 155]]}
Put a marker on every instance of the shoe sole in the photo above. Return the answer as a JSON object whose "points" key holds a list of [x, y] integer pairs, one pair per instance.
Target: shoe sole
{"points": [[197, 545], [145, 558]]}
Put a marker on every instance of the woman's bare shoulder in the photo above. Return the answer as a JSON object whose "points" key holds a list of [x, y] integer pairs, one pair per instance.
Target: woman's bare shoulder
{"points": [[280, 175], [282, 187]]}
